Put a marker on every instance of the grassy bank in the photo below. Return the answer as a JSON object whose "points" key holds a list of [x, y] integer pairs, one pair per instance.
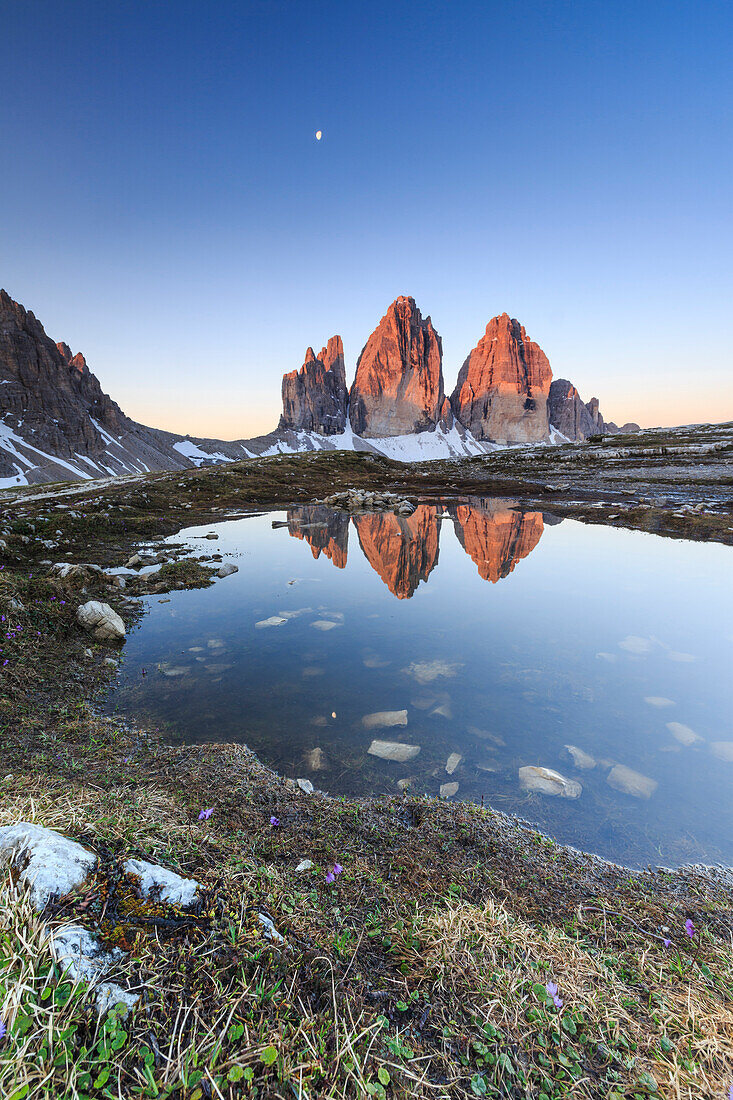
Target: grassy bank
{"points": [[421, 970]]}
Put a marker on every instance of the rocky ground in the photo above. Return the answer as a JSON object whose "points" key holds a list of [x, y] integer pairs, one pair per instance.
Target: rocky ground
{"points": [[457, 952]]}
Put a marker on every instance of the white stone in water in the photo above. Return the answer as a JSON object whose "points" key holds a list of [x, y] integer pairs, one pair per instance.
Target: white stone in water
{"points": [[393, 750], [683, 734], [227, 569], [80, 955], [100, 620], [632, 643], [315, 759], [447, 790], [723, 750], [325, 624], [452, 762], [384, 719], [581, 759], [159, 882], [548, 781], [174, 671], [630, 782], [50, 862], [427, 671], [658, 701], [444, 710], [274, 620], [681, 658]]}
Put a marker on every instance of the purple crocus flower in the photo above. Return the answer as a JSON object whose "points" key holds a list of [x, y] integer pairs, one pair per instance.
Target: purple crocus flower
{"points": [[337, 868], [330, 877], [274, 821], [552, 991], [206, 814], [689, 928], [730, 1093], [3, 1029], [667, 943]]}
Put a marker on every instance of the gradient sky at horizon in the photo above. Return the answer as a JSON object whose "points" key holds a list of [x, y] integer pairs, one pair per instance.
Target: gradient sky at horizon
{"points": [[168, 211]]}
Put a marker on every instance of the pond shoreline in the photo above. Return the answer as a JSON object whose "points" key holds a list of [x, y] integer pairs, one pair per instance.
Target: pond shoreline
{"points": [[442, 909]]}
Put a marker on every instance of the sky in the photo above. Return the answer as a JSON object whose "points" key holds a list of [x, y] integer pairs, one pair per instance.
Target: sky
{"points": [[168, 211]]}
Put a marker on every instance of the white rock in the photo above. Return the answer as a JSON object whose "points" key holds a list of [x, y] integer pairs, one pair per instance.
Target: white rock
{"points": [[270, 931], [447, 790], [384, 719], [50, 862], [658, 701], [305, 865], [227, 569], [444, 710], [88, 654], [161, 883], [80, 955], [683, 734], [723, 750], [305, 785], [393, 750], [547, 781], [427, 671], [100, 620], [581, 759], [315, 759], [325, 624], [681, 658], [405, 784], [452, 762], [274, 620], [630, 782], [632, 643]]}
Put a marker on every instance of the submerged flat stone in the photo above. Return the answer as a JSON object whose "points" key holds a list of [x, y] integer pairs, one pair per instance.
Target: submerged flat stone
{"points": [[723, 750], [325, 624], [683, 734], [658, 701], [274, 620], [548, 781], [580, 758], [427, 671], [384, 719], [630, 782], [452, 762], [447, 790], [393, 750]]}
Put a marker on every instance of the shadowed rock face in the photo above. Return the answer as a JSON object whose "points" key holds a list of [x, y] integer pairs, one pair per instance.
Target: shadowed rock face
{"points": [[404, 551], [502, 388], [325, 530], [315, 397], [398, 386], [49, 391], [569, 414], [495, 536]]}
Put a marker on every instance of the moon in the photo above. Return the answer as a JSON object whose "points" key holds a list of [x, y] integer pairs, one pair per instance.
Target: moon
{"points": [[319, 135]]}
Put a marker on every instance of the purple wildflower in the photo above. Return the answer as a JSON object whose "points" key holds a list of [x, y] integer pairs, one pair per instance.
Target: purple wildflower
{"points": [[667, 943], [274, 821], [337, 868], [689, 928], [206, 814], [730, 1093], [552, 991], [3, 1029], [330, 877]]}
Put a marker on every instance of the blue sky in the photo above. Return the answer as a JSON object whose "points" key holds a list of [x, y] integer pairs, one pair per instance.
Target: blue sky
{"points": [[168, 211]]}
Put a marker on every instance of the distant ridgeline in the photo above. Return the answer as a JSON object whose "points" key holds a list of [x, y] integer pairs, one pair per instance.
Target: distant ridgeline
{"points": [[56, 424]]}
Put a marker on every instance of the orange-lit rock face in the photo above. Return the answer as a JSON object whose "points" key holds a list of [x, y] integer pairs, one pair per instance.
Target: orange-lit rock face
{"points": [[326, 531], [398, 386], [502, 387], [315, 397], [404, 551], [495, 536]]}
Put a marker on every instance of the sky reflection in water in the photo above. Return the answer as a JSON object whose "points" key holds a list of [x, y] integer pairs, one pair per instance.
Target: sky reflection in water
{"points": [[504, 636]]}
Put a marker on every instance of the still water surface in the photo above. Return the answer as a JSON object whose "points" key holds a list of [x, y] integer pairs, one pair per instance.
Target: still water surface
{"points": [[498, 637]]}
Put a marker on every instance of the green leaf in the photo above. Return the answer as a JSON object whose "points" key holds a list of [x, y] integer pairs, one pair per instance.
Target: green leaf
{"points": [[236, 1073], [478, 1085], [505, 1062], [102, 1079], [383, 1075], [269, 1055], [568, 1024]]}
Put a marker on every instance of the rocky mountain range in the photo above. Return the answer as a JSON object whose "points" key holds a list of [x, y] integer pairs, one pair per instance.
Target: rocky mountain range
{"points": [[56, 423]]}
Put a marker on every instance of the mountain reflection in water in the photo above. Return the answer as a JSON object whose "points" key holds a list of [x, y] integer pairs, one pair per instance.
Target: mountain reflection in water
{"points": [[404, 550]]}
